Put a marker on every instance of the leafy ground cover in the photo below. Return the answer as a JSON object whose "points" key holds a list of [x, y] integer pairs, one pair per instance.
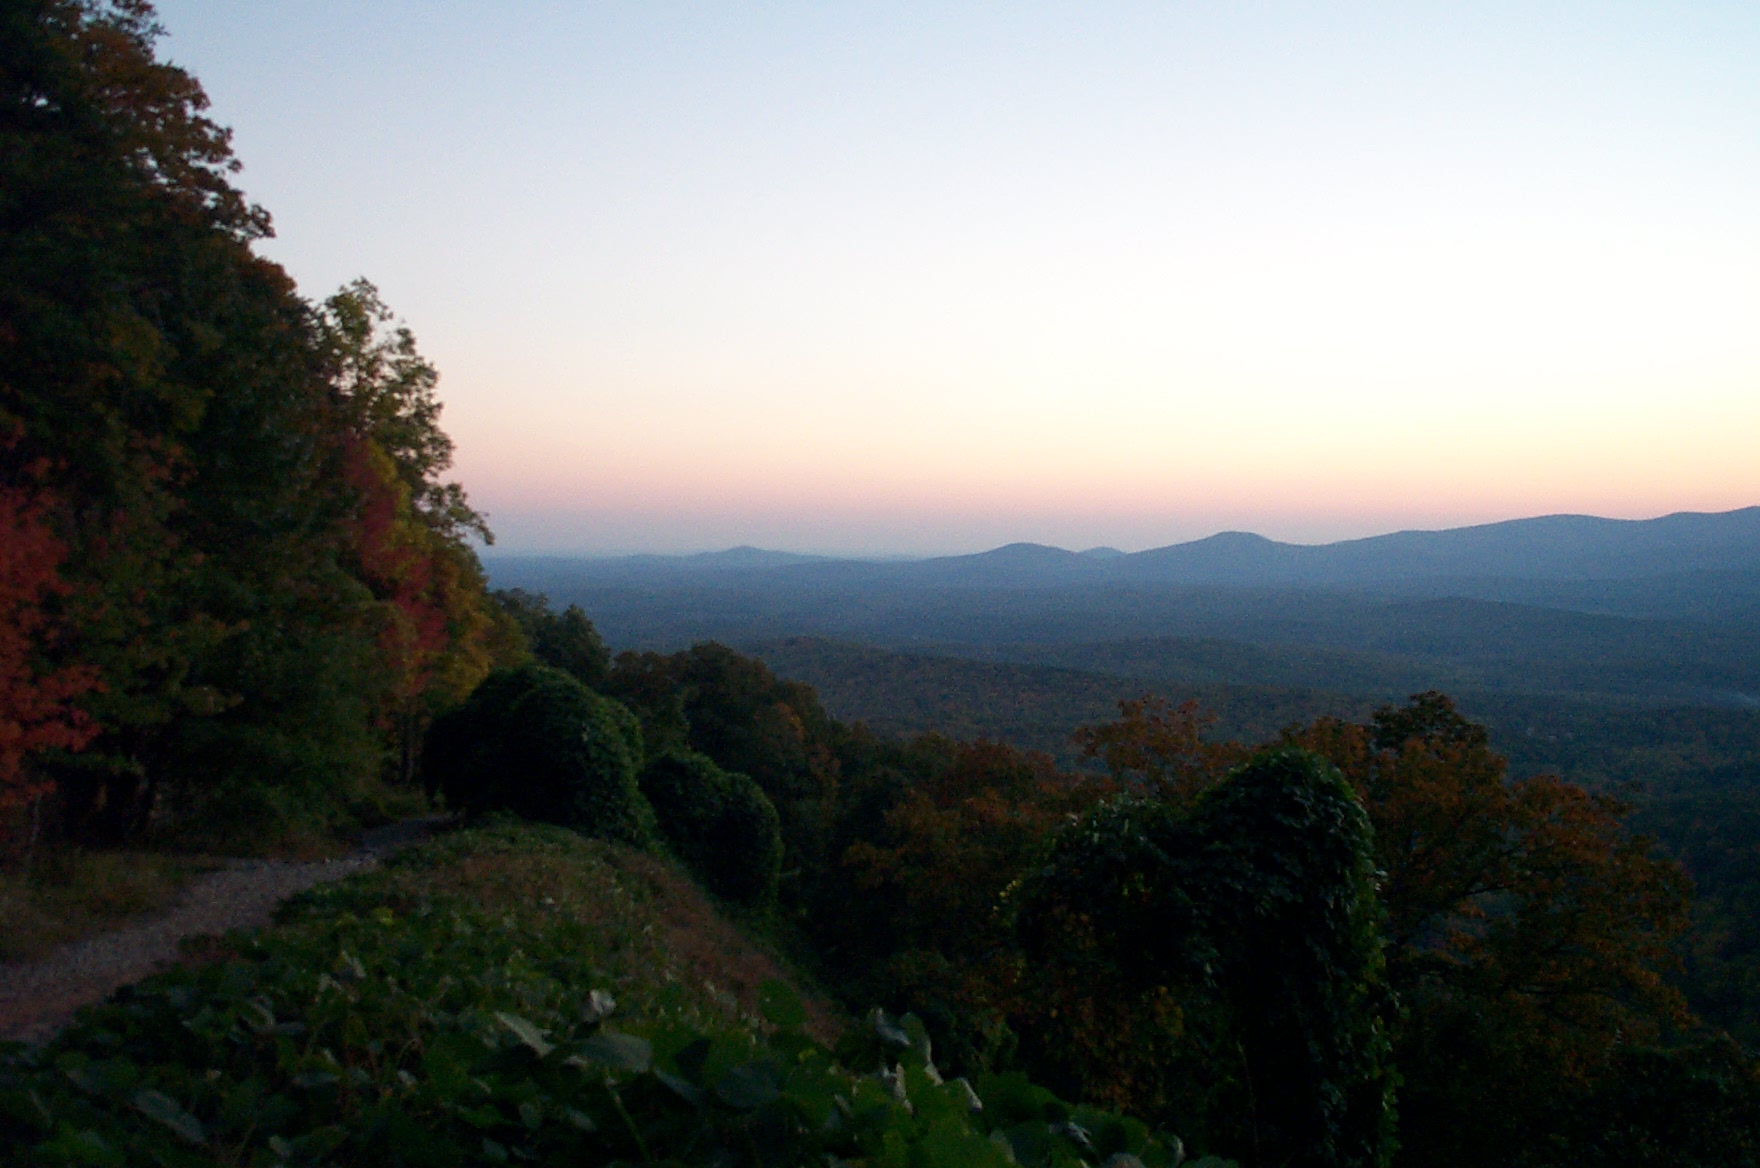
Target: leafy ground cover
{"points": [[512, 995]]}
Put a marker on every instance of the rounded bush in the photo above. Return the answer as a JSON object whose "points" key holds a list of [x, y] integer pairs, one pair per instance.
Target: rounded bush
{"points": [[629, 728], [684, 788], [536, 742], [719, 823]]}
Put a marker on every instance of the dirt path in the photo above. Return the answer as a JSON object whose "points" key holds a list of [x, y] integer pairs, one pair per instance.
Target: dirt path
{"points": [[38, 997]]}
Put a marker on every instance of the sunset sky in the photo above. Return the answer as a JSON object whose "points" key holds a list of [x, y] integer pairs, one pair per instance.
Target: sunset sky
{"points": [[920, 278]]}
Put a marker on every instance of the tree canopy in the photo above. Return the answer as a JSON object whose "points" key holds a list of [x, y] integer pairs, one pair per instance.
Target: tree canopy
{"points": [[254, 583]]}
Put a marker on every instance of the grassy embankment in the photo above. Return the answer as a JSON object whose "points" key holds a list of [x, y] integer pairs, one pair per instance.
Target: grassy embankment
{"points": [[504, 994]]}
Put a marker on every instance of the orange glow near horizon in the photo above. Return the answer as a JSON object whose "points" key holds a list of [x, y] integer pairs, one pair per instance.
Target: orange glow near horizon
{"points": [[905, 279]]}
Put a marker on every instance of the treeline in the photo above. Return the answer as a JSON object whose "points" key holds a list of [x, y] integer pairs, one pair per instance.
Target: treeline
{"points": [[234, 582], [1360, 943], [1690, 773]]}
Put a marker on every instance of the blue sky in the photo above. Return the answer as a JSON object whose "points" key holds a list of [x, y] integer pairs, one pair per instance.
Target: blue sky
{"points": [[922, 278]]}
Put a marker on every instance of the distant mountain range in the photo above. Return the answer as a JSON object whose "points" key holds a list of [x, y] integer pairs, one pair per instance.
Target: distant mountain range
{"points": [[744, 558], [1647, 611], [1551, 550], [1552, 547]]}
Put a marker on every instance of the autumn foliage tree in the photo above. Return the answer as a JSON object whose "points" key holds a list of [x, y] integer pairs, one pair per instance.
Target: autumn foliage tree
{"points": [[121, 239], [938, 937], [1529, 933], [1160, 748], [408, 539], [269, 577], [37, 710]]}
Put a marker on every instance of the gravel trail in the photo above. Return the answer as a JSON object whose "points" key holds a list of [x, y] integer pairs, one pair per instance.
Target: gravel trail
{"points": [[37, 998]]}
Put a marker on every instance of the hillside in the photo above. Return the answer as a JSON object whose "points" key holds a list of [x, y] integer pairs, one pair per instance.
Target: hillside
{"points": [[1033, 707], [513, 994], [1659, 750], [1355, 642]]}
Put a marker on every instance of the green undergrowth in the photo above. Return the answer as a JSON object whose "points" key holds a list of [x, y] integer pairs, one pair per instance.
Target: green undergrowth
{"points": [[511, 995]]}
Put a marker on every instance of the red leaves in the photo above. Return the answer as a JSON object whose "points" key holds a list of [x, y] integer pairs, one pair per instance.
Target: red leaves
{"points": [[398, 562], [36, 701]]}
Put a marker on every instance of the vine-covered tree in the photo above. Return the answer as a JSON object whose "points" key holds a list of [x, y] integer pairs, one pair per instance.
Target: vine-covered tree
{"points": [[1252, 911], [714, 701], [1528, 940]]}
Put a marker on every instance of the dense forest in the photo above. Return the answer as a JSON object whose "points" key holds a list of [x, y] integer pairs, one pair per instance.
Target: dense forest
{"points": [[241, 608]]}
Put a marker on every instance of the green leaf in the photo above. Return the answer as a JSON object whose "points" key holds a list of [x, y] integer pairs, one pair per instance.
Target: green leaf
{"points": [[780, 1005], [526, 1032], [918, 1037], [748, 1086], [161, 1107], [84, 1147], [315, 1145], [618, 1052], [683, 1088]]}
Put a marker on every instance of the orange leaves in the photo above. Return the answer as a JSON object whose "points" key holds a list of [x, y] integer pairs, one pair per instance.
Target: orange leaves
{"points": [[1161, 746], [960, 836], [398, 563], [975, 819], [1527, 896]]}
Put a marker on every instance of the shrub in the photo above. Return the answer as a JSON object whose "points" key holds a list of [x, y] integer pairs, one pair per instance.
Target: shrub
{"points": [[629, 728], [536, 742], [719, 822]]}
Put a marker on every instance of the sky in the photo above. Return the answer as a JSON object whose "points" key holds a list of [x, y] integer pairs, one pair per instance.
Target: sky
{"points": [[925, 278]]}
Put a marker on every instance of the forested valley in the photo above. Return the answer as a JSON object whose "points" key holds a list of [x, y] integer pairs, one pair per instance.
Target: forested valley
{"points": [[680, 911]]}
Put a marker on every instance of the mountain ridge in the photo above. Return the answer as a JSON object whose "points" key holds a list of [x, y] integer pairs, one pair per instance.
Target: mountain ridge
{"points": [[1551, 548]]}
